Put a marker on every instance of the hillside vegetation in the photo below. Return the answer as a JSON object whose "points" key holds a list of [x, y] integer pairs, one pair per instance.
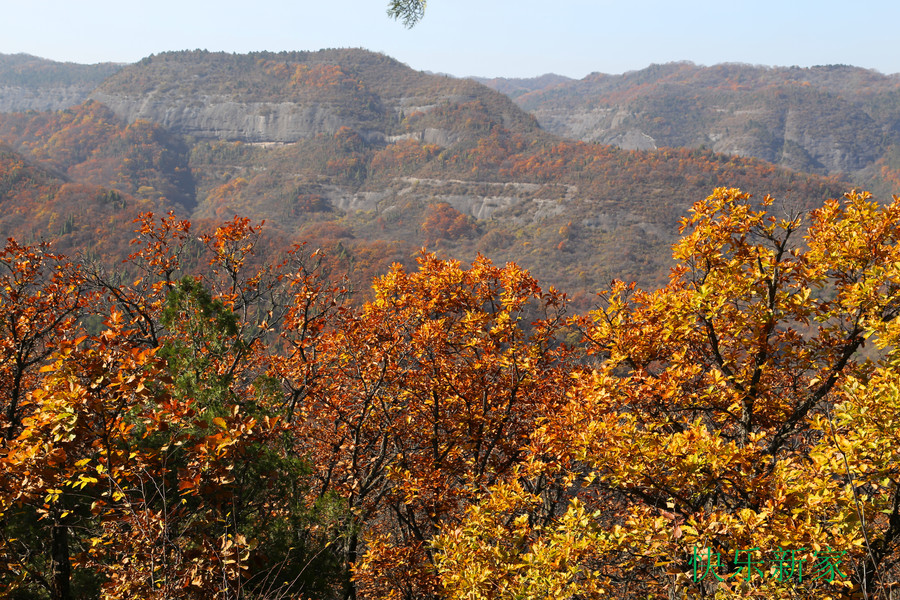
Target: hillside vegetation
{"points": [[226, 422], [352, 149], [229, 371]]}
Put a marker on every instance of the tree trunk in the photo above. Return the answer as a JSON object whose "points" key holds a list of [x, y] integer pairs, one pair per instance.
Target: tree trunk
{"points": [[350, 560], [60, 570]]}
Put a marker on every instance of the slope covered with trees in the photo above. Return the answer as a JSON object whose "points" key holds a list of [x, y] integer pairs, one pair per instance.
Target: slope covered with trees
{"points": [[211, 410], [216, 426], [351, 149], [91, 219]]}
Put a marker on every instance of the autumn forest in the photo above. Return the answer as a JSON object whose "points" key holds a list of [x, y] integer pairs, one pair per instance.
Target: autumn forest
{"points": [[319, 326]]}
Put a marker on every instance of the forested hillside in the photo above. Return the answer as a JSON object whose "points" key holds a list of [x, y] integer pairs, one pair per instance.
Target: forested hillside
{"points": [[80, 217], [515, 87], [226, 422], [352, 149], [229, 370]]}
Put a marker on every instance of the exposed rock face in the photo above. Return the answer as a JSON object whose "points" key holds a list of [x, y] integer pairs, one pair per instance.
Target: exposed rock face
{"points": [[220, 117], [634, 140], [286, 97], [21, 99], [831, 120], [842, 140]]}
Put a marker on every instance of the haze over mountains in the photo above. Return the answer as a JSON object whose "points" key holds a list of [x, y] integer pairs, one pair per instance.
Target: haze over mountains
{"points": [[837, 120], [32, 83], [355, 151]]}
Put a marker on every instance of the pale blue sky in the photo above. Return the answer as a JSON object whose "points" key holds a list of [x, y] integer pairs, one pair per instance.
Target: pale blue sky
{"points": [[509, 38]]}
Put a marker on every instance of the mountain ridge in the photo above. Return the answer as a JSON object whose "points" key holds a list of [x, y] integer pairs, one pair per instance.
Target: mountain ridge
{"points": [[836, 119], [285, 97], [407, 160], [32, 83]]}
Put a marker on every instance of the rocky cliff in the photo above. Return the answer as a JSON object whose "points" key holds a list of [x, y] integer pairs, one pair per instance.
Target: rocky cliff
{"points": [[223, 117], [286, 97], [353, 148], [835, 120]]}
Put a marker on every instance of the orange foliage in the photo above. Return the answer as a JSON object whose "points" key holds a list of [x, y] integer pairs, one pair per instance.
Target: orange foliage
{"points": [[227, 418], [413, 402], [442, 221], [403, 156]]}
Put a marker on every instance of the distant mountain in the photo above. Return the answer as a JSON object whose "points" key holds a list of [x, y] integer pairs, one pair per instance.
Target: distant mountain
{"points": [[515, 87], [31, 83], [286, 97], [836, 120], [356, 152]]}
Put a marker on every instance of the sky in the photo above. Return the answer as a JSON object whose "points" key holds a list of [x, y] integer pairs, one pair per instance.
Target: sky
{"points": [[488, 38]]}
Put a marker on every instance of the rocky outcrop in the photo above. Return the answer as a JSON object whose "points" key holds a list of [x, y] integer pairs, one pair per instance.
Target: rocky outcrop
{"points": [[633, 140], [223, 118], [830, 120], [286, 97]]}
